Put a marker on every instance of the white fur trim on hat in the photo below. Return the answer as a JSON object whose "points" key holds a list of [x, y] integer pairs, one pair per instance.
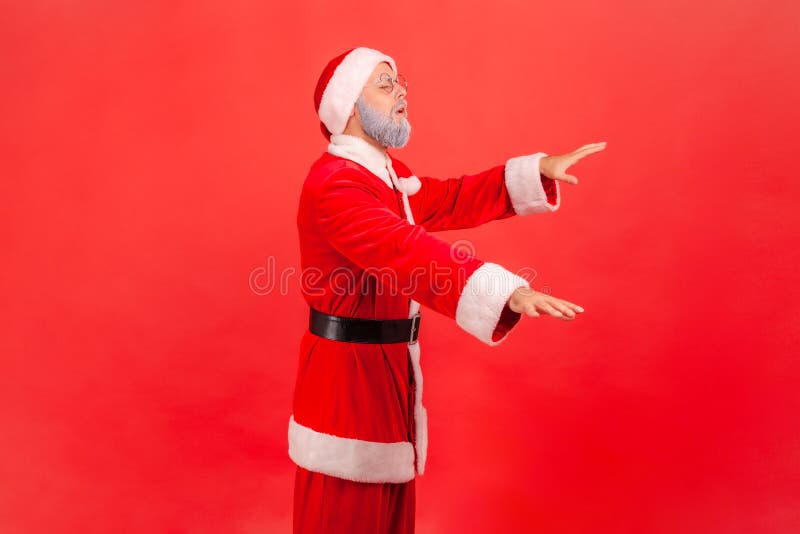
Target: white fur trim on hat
{"points": [[345, 86], [524, 185]]}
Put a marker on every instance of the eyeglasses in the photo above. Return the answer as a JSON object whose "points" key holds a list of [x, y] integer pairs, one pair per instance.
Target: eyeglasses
{"points": [[386, 83]]}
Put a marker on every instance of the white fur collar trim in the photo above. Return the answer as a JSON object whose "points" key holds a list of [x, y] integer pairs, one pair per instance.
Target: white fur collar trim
{"points": [[356, 149], [378, 162]]}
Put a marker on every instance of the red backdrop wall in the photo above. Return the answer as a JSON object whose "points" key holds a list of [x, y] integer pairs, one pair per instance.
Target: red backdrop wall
{"points": [[153, 155]]}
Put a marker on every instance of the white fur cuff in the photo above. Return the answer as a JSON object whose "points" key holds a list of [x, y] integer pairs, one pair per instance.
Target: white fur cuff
{"points": [[482, 301], [524, 184]]}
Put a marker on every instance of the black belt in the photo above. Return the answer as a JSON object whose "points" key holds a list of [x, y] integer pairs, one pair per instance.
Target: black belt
{"points": [[354, 330]]}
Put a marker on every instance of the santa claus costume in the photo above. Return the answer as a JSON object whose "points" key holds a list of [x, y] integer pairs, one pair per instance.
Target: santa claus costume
{"points": [[358, 428]]}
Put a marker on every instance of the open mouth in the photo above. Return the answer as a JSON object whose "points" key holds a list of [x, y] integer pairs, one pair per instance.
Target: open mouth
{"points": [[401, 110]]}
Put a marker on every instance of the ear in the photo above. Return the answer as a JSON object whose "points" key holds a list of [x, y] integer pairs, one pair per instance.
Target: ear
{"points": [[351, 120], [355, 105]]}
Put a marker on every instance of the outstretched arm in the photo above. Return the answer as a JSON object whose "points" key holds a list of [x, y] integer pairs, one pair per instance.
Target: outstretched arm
{"points": [[525, 185], [516, 188]]}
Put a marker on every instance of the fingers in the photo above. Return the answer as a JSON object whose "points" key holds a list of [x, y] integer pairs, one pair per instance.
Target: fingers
{"points": [[591, 146], [567, 178], [585, 150], [561, 308], [563, 311], [554, 310], [536, 304], [574, 307], [573, 158], [530, 310]]}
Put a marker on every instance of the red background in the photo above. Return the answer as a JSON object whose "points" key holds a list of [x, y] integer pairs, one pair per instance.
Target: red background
{"points": [[152, 158]]}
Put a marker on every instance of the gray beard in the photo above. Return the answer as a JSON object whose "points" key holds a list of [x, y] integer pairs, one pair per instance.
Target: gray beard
{"points": [[381, 128]]}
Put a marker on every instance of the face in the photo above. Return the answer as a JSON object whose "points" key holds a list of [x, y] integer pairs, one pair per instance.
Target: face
{"points": [[383, 115], [391, 104]]}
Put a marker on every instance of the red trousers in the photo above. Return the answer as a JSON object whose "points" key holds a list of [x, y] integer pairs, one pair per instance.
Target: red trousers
{"points": [[330, 505]]}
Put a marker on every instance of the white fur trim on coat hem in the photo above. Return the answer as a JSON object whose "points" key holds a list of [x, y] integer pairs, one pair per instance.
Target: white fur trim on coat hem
{"points": [[350, 459], [420, 413], [482, 301], [524, 185]]}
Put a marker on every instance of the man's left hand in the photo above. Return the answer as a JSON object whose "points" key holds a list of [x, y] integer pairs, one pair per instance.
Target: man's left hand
{"points": [[555, 167]]}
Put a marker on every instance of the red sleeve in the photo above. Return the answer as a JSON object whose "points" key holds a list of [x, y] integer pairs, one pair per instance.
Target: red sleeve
{"points": [[464, 202], [508, 320], [515, 188]]}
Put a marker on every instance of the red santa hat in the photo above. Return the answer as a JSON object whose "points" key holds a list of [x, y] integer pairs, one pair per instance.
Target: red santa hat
{"points": [[340, 85]]}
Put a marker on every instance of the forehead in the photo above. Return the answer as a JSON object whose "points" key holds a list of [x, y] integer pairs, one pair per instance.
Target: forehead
{"points": [[382, 67]]}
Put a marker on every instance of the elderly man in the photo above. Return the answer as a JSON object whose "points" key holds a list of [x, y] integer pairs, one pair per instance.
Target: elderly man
{"points": [[358, 429]]}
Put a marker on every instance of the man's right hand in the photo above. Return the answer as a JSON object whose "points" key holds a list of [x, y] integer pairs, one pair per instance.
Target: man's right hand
{"points": [[534, 303]]}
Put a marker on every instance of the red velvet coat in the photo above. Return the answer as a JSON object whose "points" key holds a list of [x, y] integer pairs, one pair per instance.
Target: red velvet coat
{"points": [[364, 225]]}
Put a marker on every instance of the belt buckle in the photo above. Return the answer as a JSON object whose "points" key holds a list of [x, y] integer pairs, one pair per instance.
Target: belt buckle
{"points": [[412, 339]]}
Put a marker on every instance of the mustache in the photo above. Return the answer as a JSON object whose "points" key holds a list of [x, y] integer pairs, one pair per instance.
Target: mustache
{"points": [[400, 104]]}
